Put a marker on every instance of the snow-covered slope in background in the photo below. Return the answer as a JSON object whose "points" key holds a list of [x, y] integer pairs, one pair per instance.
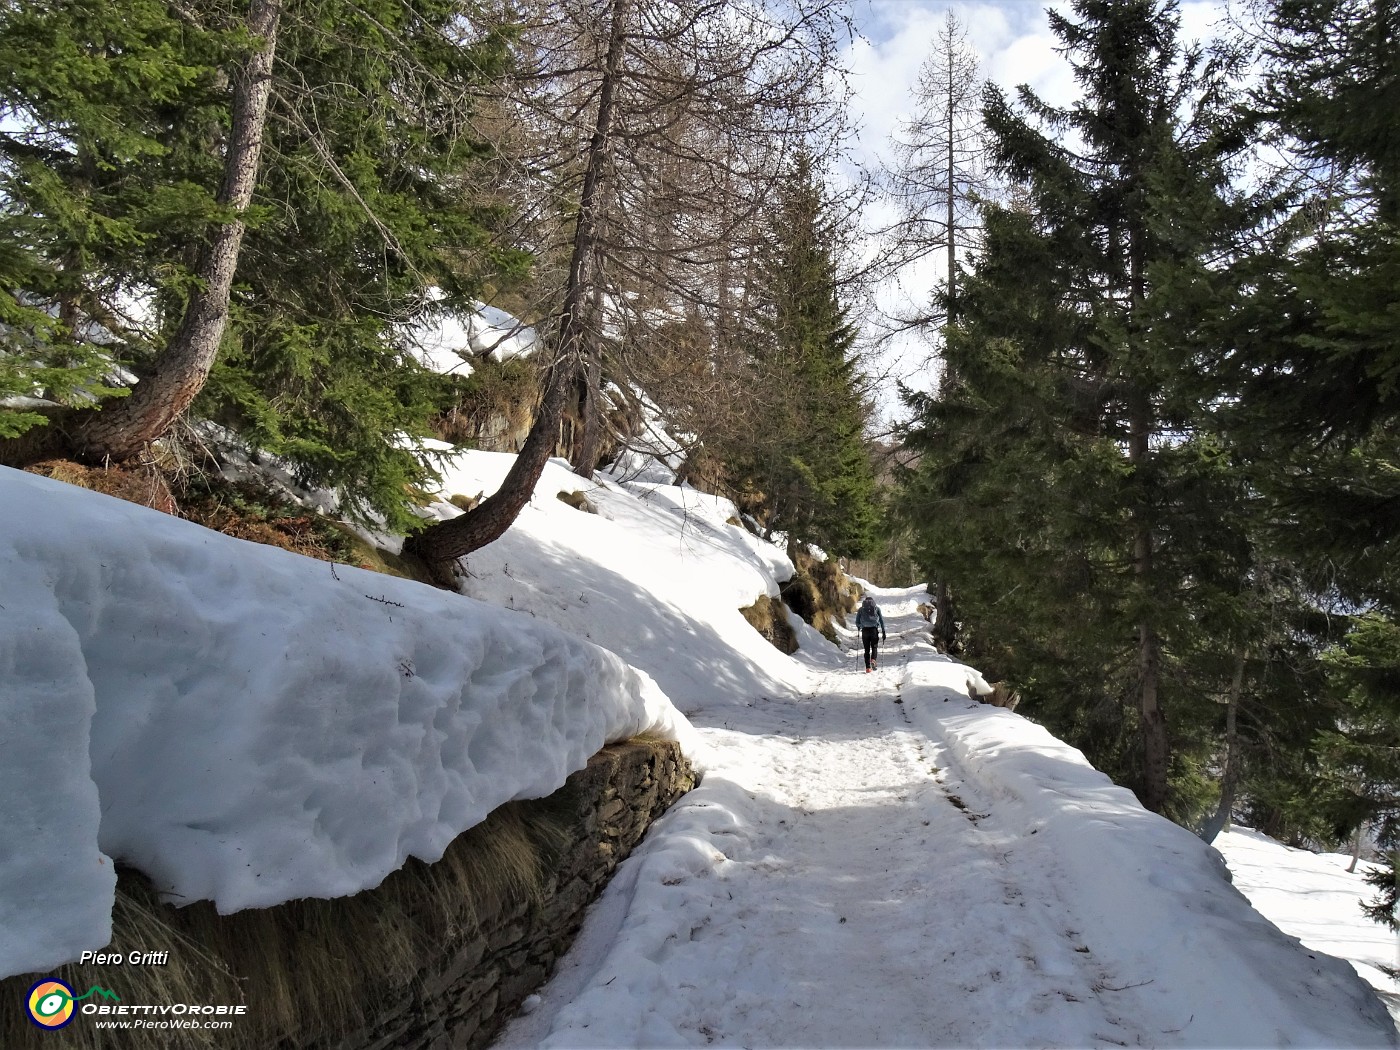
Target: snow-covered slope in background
{"points": [[1312, 896], [447, 344], [656, 575]]}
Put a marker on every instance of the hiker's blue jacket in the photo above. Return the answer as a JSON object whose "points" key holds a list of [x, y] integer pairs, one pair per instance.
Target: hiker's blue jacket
{"points": [[865, 619]]}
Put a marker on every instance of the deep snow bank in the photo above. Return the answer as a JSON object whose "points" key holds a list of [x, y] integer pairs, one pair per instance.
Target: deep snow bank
{"points": [[1146, 894], [250, 726]]}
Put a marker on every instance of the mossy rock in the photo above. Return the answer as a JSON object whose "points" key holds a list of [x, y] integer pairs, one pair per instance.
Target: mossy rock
{"points": [[819, 591], [578, 501], [768, 616]]}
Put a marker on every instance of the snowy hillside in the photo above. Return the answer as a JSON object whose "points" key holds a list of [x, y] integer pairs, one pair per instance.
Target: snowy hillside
{"points": [[872, 859], [1312, 896]]}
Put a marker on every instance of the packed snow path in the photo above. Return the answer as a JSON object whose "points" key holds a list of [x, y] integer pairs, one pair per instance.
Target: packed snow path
{"points": [[851, 885], [996, 890]]}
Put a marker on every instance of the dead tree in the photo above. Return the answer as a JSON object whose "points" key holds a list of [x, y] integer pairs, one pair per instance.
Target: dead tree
{"points": [[938, 180], [694, 107]]}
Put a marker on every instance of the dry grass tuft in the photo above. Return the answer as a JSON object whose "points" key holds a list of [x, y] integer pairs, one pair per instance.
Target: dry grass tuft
{"points": [[316, 968], [240, 509], [141, 482], [768, 616], [493, 407]]}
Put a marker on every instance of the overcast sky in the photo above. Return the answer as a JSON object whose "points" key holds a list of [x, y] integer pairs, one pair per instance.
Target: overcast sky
{"points": [[1015, 45]]}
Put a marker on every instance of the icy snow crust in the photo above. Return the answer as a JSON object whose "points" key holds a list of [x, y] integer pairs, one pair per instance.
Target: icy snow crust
{"points": [[249, 726]]}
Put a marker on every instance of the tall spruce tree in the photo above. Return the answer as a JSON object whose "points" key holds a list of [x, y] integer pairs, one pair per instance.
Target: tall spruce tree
{"points": [[1092, 526], [1304, 377], [1310, 358], [106, 168], [366, 214], [1359, 778], [810, 462]]}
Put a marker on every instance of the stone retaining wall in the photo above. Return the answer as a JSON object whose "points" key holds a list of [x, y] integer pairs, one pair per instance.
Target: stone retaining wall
{"points": [[479, 981]]}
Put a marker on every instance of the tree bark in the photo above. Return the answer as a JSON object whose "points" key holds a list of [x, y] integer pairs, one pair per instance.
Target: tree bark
{"points": [[442, 544], [1156, 743], [1156, 746], [944, 628], [1221, 820], [590, 439], [1156, 751], [123, 428]]}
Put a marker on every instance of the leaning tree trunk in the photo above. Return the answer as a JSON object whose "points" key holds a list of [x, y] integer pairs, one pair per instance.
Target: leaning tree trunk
{"points": [[442, 544], [123, 428]]}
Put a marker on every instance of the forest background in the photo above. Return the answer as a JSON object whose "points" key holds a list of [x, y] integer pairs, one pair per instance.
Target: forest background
{"points": [[1148, 461]]}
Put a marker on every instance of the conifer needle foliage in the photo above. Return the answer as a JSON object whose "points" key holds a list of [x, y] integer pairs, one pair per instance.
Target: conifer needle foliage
{"points": [[368, 215], [811, 462]]}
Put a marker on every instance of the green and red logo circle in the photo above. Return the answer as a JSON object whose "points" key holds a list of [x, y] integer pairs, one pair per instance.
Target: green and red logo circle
{"points": [[50, 1004]]}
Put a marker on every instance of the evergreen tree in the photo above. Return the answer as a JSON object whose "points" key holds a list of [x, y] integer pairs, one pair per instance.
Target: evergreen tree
{"points": [[105, 171], [179, 371], [1304, 376], [1360, 781], [810, 462], [366, 214], [1310, 354], [1093, 527], [375, 214]]}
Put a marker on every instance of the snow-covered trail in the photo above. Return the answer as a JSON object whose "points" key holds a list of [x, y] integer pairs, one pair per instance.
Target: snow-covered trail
{"points": [[847, 886]]}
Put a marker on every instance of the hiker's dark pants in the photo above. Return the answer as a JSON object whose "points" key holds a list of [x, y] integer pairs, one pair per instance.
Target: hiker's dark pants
{"points": [[871, 637]]}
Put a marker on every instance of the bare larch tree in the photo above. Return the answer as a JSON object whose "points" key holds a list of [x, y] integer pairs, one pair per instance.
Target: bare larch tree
{"points": [[937, 183], [691, 110]]}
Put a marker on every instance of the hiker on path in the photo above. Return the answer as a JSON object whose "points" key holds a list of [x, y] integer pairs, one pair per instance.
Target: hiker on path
{"points": [[872, 629]]}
